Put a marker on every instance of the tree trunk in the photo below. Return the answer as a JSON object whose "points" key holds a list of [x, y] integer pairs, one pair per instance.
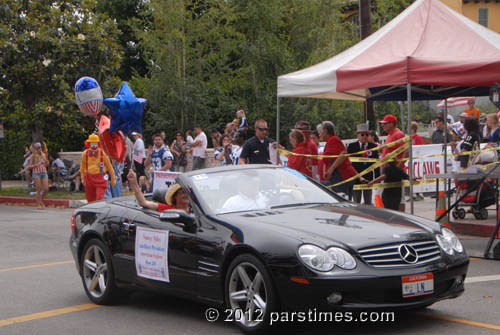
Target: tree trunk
{"points": [[183, 79], [37, 133]]}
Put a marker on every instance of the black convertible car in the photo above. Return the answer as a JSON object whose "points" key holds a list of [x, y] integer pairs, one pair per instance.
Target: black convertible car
{"points": [[262, 239]]}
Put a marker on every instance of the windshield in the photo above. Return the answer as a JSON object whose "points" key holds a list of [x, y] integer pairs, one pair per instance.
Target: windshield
{"points": [[258, 189]]}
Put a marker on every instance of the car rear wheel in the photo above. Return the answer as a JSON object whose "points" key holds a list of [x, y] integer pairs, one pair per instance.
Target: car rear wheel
{"points": [[249, 293], [98, 273]]}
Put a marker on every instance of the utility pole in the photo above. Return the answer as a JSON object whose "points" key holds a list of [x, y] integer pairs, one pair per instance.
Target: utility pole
{"points": [[366, 30]]}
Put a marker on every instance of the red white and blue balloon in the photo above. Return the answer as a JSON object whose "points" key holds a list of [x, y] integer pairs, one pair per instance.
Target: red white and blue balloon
{"points": [[88, 96]]}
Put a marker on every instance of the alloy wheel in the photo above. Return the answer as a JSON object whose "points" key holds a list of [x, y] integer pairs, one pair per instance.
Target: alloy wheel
{"points": [[95, 271], [247, 294]]}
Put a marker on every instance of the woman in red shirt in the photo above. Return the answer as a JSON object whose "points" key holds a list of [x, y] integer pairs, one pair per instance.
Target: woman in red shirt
{"points": [[300, 163], [416, 139], [340, 168]]}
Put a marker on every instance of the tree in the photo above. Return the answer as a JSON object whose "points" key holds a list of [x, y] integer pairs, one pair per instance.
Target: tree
{"points": [[45, 46], [131, 16], [189, 50]]}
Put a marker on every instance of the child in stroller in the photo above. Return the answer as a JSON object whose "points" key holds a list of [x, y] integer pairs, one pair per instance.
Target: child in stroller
{"points": [[480, 197]]}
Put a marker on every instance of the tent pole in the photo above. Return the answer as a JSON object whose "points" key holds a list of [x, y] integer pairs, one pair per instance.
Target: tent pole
{"points": [[445, 148], [410, 154], [402, 112], [278, 129]]}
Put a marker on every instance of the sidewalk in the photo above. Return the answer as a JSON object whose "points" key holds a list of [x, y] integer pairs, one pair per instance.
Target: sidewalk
{"points": [[12, 183], [468, 226], [30, 200]]}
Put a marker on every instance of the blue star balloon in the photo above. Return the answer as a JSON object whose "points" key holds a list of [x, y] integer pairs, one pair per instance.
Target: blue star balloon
{"points": [[125, 110]]}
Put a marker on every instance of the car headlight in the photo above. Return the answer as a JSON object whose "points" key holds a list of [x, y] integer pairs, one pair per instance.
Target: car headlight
{"points": [[453, 239], [449, 242], [324, 261], [342, 258]]}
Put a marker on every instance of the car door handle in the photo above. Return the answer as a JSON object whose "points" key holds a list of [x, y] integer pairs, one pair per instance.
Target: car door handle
{"points": [[129, 227]]}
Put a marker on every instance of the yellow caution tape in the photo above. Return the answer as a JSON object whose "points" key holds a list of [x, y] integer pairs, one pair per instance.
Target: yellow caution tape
{"points": [[453, 155], [380, 162], [394, 184], [380, 147], [373, 160], [407, 183]]}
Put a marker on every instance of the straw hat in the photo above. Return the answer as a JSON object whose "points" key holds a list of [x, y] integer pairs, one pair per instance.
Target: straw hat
{"points": [[169, 196]]}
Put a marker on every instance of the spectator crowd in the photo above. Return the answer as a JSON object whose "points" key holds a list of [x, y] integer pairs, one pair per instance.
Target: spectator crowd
{"points": [[234, 146]]}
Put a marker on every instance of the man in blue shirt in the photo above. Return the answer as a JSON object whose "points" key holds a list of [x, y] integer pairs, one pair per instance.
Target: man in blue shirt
{"points": [[159, 156]]}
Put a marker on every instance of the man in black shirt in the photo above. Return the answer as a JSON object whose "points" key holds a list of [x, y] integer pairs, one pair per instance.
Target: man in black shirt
{"points": [[391, 196], [362, 144], [256, 149]]}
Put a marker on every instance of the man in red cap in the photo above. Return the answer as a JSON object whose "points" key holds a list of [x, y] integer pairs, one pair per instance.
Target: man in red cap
{"points": [[312, 164], [393, 134]]}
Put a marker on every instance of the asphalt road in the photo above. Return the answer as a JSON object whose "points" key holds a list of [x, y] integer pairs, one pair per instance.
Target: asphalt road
{"points": [[41, 293]]}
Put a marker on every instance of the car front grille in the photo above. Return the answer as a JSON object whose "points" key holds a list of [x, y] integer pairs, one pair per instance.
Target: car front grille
{"points": [[388, 256]]}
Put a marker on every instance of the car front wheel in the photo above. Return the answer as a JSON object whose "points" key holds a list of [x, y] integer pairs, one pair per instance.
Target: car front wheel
{"points": [[97, 273], [249, 293]]}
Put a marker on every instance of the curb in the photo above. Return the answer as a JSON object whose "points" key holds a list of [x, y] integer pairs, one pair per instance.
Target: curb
{"points": [[26, 201], [473, 229]]}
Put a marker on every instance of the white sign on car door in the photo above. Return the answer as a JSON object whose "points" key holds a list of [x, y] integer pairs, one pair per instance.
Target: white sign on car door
{"points": [[151, 254]]}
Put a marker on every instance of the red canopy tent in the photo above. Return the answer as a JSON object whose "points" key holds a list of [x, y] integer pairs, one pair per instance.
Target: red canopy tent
{"points": [[427, 52], [429, 45]]}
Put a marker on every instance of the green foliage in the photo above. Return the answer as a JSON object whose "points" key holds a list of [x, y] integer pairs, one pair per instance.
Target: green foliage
{"points": [[385, 10], [45, 46], [129, 15], [209, 58]]}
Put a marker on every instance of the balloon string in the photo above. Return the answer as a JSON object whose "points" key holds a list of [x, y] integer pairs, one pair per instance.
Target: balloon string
{"points": [[96, 129]]}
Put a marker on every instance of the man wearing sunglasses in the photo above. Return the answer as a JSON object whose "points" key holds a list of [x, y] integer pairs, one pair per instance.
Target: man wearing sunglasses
{"points": [[256, 149], [361, 145]]}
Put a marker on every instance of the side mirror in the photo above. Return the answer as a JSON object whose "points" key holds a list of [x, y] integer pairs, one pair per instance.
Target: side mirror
{"points": [[177, 217]]}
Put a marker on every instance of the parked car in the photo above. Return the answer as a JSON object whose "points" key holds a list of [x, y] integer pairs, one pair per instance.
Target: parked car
{"points": [[264, 238]]}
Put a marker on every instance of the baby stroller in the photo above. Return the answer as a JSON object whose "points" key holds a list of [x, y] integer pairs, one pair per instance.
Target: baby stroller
{"points": [[480, 198]]}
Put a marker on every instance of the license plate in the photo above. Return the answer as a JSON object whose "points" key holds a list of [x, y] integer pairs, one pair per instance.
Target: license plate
{"points": [[416, 285]]}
